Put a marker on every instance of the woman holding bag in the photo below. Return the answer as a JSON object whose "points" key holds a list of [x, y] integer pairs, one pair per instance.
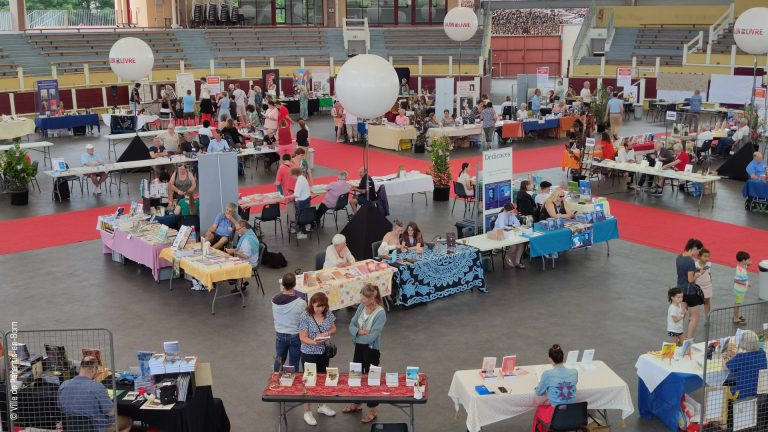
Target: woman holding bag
{"points": [[366, 327], [316, 325]]}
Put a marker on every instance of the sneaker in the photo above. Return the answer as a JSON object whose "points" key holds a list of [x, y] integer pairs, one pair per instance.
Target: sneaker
{"points": [[310, 419], [301, 236], [323, 409]]}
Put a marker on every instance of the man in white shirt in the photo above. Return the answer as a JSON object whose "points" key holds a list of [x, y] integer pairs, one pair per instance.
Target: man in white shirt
{"points": [[350, 120], [507, 218], [626, 154], [586, 94], [560, 90], [703, 136], [545, 189], [301, 197], [240, 97], [206, 129]]}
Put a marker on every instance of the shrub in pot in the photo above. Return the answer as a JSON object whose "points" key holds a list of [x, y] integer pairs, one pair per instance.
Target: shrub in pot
{"points": [[17, 172], [441, 168]]}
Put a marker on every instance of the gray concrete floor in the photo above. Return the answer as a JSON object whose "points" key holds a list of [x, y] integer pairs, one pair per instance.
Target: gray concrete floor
{"points": [[615, 304]]}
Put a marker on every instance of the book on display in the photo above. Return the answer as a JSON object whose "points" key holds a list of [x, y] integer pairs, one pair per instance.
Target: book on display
{"points": [[411, 375], [374, 376], [488, 369], [571, 359], [508, 364], [355, 374], [287, 375], [392, 379], [331, 377], [310, 374], [586, 359]]}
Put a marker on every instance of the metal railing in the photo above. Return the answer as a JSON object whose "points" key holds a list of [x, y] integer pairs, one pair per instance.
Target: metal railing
{"points": [[719, 26], [579, 45], [694, 45], [5, 21], [67, 18], [611, 31]]}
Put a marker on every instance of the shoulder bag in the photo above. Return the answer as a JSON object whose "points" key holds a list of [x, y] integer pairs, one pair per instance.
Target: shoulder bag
{"points": [[330, 347]]}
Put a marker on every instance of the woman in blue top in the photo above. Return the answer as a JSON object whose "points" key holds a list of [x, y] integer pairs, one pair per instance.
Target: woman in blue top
{"points": [[316, 325], [223, 107], [366, 327], [558, 384], [744, 367], [536, 102]]}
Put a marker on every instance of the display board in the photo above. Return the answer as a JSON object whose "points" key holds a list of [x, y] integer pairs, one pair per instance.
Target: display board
{"points": [[496, 183], [301, 78], [321, 80], [221, 168], [184, 82], [443, 96], [214, 85], [682, 81], [271, 80], [730, 89], [46, 96]]}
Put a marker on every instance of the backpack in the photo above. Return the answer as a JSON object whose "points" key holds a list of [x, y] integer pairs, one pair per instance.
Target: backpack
{"points": [[274, 260]]}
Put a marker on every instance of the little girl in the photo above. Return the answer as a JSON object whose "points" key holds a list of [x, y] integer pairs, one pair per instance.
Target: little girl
{"points": [[704, 280], [675, 315]]}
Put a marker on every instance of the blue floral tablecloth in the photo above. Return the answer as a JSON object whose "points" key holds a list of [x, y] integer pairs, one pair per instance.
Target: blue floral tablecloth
{"points": [[438, 274]]}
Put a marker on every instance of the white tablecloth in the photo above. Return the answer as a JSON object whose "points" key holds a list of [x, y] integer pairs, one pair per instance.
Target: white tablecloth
{"points": [[482, 242], [653, 370], [413, 182], [141, 120], [454, 131], [20, 127], [600, 387]]}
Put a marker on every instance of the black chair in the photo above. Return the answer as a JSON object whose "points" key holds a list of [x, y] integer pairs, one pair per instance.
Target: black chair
{"points": [[305, 216], [79, 424], [319, 260], [262, 248], [204, 141], [245, 213], [33, 182], [271, 213], [341, 204], [566, 418], [375, 248], [461, 194]]}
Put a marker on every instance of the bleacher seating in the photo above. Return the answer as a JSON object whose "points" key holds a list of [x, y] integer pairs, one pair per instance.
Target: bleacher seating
{"points": [[7, 69], [648, 42], [724, 43], [256, 46], [433, 46]]}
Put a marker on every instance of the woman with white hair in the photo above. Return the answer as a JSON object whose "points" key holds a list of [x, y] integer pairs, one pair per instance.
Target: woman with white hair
{"points": [[338, 254], [745, 365]]}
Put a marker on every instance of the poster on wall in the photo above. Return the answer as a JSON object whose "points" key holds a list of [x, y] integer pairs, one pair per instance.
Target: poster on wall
{"points": [[214, 85], [46, 96], [321, 80], [759, 94], [271, 80], [184, 82], [624, 77], [497, 184], [631, 94], [542, 77], [301, 78], [443, 96], [468, 93]]}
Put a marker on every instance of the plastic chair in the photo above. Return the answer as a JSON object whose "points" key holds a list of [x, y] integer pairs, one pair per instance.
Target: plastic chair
{"points": [[461, 194], [271, 213], [566, 418], [319, 260], [262, 248], [305, 216], [375, 248], [33, 182], [341, 204]]}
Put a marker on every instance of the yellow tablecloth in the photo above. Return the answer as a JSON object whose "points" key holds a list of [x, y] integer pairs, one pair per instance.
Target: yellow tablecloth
{"points": [[207, 274], [343, 291], [16, 128], [389, 136]]}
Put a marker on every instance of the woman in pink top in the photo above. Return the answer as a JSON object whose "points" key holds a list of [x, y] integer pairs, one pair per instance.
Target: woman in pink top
{"points": [[338, 114], [402, 119]]}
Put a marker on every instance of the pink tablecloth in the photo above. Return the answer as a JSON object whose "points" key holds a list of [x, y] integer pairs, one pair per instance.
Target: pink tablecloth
{"points": [[136, 250]]}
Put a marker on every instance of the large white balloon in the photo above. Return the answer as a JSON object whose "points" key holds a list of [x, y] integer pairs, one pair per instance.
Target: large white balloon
{"points": [[131, 59], [460, 24], [367, 86], [751, 31]]}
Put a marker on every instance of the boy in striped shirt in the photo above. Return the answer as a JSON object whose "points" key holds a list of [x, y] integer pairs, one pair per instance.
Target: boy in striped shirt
{"points": [[740, 284]]}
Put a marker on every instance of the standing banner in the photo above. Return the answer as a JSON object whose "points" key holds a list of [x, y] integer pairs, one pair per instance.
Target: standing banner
{"points": [[270, 78], [321, 80], [468, 93], [624, 77], [443, 96], [497, 184], [542, 77], [184, 82], [759, 93], [301, 78], [214, 85], [46, 96]]}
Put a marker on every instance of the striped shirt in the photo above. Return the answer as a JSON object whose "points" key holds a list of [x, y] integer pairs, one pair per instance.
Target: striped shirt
{"points": [[740, 280]]}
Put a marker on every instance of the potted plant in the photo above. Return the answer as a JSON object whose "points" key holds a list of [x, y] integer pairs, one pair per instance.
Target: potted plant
{"points": [[599, 106], [441, 168], [17, 172]]}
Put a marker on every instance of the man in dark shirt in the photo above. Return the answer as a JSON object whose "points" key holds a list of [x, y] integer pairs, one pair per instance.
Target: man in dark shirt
{"points": [[189, 145], [366, 190]]}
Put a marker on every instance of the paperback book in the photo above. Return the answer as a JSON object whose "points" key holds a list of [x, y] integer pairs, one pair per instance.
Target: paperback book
{"points": [[488, 369], [331, 377], [411, 375], [310, 374], [287, 376], [392, 379], [508, 364], [355, 374], [374, 376]]}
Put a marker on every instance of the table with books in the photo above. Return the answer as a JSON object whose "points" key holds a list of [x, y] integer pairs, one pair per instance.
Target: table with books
{"points": [[455, 131], [342, 285], [136, 240], [573, 234], [598, 385], [436, 272], [290, 392], [214, 267]]}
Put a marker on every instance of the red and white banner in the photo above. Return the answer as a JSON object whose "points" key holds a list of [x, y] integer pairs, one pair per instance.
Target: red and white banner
{"points": [[542, 77], [624, 77]]}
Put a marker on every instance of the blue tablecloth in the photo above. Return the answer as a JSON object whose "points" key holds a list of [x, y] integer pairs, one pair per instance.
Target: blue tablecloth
{"points": [[664, 401], [755, 189], [438, 274], [561, 240], [529, 126], [67, 121]]}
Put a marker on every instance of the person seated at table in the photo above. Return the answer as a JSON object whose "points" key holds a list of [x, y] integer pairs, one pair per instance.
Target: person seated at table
{"points": [[522, 113], [545, 189], [507, 218], [182, 182], [554, 207], [466, 180], [392, 240], [91, 159], [223, 227], [605, 148], [232, 135], [189, 145], [661, 154], [59, 109], [724, 145], [217, 144], [186, 206], [448, 119], [744, 365], [703, 137], [302, 135], [206, 129], [247, 247], [338, 254], [549, 99], [626, 154], [391, 115], [559, 107], [678, 163], [334, 190], [82, 396], [571, 93], [364, 192], [756, 168], [431, 121], [402, 119], [157, 149], [252, 119], [412, 237], [526, 205], [558, 384], [170, 138]]}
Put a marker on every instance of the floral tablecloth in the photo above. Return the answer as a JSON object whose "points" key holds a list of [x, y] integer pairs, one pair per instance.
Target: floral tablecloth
{"points": [[343, 285], [437, 273]]}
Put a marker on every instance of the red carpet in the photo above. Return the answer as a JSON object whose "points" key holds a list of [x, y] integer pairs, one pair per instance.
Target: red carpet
{"points": [[667, 230]]}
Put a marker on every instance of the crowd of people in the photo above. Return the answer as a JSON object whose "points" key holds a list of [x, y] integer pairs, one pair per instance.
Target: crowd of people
{"points": [[534, 21]]}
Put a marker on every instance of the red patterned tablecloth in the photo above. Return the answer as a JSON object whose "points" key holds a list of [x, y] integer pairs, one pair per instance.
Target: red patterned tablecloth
{"points": [[343, 390]]}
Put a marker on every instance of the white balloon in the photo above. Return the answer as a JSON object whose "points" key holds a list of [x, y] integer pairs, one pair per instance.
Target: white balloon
{"points": [[131, 59], [367, 86], [751, 31], [460, 24]]}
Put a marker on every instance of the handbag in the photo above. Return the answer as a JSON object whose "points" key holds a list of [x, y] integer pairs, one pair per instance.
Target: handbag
{"points": [[696, 291], [330, 347]]}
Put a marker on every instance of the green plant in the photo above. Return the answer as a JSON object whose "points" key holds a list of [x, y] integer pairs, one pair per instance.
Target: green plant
{"points": [[599, 105], [16, 169], [441, 166], [755, 123]]}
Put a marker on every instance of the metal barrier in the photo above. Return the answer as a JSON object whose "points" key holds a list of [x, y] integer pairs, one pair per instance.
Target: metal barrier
{"points": [[4, 421], [39, 365], [735, 369]]}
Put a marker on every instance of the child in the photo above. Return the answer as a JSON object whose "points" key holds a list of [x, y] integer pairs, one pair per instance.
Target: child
{"points": [[740, 285], [675, 315], [704, 280]]}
